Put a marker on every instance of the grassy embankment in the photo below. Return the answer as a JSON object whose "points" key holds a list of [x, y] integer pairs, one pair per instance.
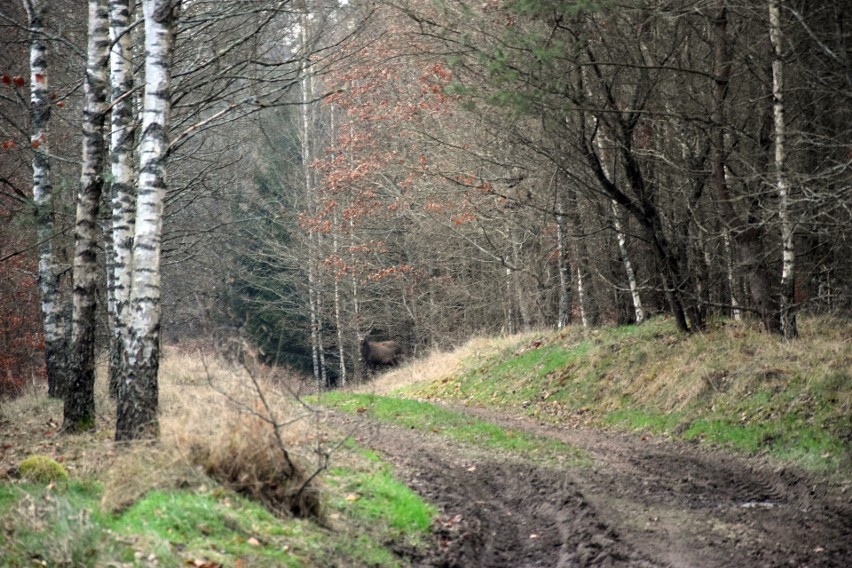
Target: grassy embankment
{"points": [[182, 501], [731, 385], [203, 495]]}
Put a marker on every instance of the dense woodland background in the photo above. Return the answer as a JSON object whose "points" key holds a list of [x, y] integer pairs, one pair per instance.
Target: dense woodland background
{"points": [[425, 171]]}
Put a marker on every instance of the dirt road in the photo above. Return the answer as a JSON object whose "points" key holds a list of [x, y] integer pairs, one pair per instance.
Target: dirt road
{"points": [[642, 503]]}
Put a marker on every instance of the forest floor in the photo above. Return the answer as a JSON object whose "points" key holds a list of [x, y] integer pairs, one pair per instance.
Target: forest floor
{"points": [[638, 501]]}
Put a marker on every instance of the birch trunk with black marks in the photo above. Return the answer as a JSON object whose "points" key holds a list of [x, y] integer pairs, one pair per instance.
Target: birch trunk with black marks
{"points": [[306, 122], [79, 413], [789, 329], [338, 314], [49, 270], [123, 189], [609, 171], [138, 392], [638, 310]]}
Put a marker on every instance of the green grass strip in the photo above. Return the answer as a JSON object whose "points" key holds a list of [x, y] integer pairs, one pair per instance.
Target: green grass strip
{"points": [[457, 426]]}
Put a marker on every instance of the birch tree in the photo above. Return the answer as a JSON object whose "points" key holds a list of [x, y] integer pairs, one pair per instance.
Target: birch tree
{"points": [[306, 122], [80, 397], [138, 391], [43, 198], [789, 328], [747, 234], [122, 190]]}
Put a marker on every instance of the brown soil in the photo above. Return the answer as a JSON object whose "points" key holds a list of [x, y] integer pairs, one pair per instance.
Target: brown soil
{"points": [[644, 502]]}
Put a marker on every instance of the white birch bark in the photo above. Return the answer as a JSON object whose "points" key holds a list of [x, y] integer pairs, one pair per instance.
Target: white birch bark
{"points": [[520, 295], [79, 412], [563, 248], [43, 197], [581, 298], [123, 189], [138, 393], [736, 312], [306, 116], [338, 318], [638, 311], [507, 301], [359, 363], [788, 312], [588, 311], [338, 314]]}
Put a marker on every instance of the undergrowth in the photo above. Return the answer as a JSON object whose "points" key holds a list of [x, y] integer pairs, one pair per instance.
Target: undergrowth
{"points": [[237, 479]]}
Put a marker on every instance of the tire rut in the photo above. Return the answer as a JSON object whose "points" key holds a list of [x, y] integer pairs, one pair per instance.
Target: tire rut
{"points": [[643, 503]]}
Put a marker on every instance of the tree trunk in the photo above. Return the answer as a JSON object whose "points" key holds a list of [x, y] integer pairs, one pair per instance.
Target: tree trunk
{"points": [[589, 313], [564, 264], [788, 309], [123, 188], [646, 213], [79, 412], [519, 293], [602, 142], [638, 311], [314, 299], [138, 395], [55, 352], [642, 208], [747, 235], [736, 312]]}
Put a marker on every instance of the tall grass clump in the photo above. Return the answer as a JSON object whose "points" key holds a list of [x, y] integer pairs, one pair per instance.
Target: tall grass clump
{"points": [[233, 424]]}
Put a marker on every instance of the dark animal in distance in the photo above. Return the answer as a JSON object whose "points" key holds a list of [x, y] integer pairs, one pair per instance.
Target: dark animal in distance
{"points": [[380, 353]]}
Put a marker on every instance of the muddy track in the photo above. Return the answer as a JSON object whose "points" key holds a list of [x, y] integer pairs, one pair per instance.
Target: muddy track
{"points": [[642, 503]]}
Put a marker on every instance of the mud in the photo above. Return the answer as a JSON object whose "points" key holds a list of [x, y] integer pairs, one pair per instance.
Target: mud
{"points": [[643, 502]]}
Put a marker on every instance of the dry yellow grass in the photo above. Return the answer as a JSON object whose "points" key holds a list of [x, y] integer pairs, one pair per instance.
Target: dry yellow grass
{"points": [[440, 365], [245, 429], [236, 425]]}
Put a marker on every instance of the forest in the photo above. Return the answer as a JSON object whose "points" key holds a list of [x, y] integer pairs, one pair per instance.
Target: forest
{"points": [[286, 179]]}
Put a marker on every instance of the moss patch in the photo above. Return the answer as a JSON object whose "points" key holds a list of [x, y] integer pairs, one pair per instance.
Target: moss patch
{"points": [[42, 469]]}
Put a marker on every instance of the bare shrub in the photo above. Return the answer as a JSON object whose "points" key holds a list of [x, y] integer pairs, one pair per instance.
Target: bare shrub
{"points": [[249, 459], [245, 430]]}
